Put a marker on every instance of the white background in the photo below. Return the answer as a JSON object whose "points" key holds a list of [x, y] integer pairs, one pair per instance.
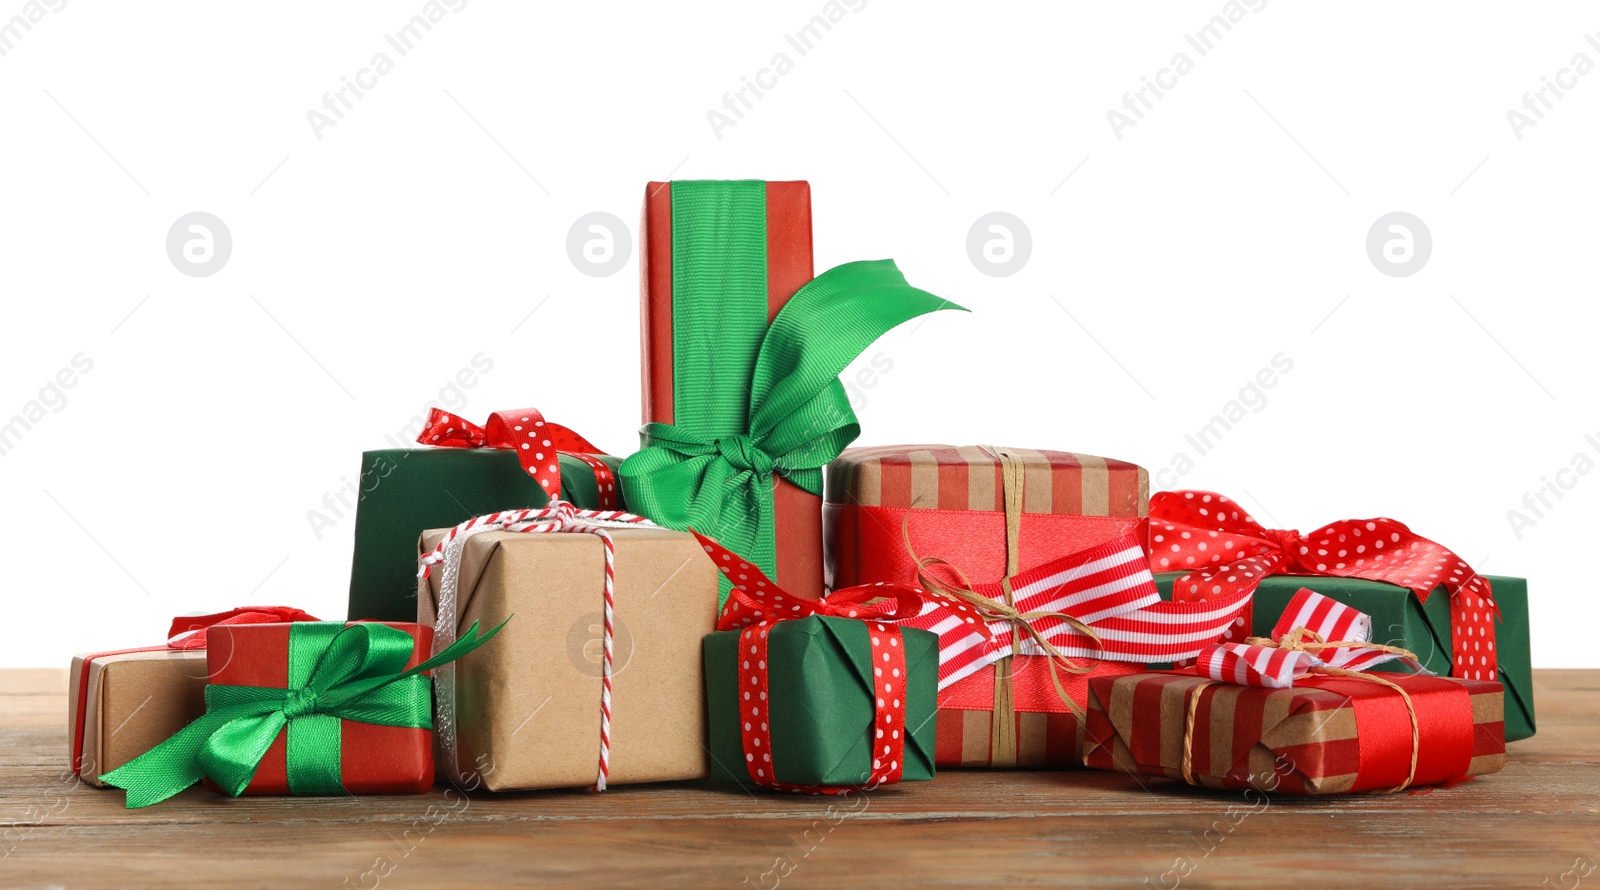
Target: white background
{"points": [[1168, 265]]}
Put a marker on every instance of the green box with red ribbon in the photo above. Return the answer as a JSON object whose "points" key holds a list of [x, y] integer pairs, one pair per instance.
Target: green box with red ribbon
{"points": [[821, 704], [468, 471]]}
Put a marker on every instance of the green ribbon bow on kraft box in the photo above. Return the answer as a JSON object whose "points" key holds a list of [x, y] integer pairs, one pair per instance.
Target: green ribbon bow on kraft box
{"points": [[743, 351]]}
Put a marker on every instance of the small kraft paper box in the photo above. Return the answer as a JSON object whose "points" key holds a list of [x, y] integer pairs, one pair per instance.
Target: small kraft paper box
{"points": [[525, 713], [952, 502], [1324, 735], [121, 704], [372, 759], [821, 688], [403, 491]]}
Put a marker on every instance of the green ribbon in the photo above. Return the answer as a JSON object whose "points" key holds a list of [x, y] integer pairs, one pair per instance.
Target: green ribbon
{"points": [[713, 470], [336, 673]]}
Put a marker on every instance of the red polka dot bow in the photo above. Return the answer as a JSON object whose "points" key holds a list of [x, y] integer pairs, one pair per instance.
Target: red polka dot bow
{"points": [[536, 442], [1224, 550], [756, 604]]}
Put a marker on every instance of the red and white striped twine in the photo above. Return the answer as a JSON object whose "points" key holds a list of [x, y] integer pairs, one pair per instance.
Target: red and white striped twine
{"points": [[557, 517]]}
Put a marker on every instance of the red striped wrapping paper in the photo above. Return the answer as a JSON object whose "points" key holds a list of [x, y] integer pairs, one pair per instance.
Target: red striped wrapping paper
{"points": [[952, 501], [1325, 736]]}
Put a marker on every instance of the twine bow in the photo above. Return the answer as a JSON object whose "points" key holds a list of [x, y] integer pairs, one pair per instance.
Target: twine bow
{"points": [[1300, 647]]}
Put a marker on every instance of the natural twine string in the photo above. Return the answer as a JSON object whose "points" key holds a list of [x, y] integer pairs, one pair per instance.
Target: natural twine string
{"points": [[1003, 725], [1305, 640]]}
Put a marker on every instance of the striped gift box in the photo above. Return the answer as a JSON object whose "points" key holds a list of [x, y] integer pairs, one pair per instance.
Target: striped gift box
{"points": [[1324, 736], [952, 500]]}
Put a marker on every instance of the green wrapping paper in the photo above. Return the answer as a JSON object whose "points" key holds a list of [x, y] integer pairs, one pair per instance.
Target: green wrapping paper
{"points": [[404, 491], [820, 680], [1399, 619]]}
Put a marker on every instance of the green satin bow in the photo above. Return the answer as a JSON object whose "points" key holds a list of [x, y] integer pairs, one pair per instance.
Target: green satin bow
{"points": [[799, 414], [336, 672]]}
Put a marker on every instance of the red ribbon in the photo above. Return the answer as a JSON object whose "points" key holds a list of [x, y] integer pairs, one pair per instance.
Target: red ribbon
{"points": [[1227, 551], [535, 441], [756, 604], [187, 632]]}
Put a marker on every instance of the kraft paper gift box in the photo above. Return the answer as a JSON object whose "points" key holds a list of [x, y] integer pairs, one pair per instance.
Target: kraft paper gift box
{"points": [[121, 704], [1324, 735], [403, 491], [952, 503], [1400, 619], [742, 351], [526, 710], [1421, 596]]}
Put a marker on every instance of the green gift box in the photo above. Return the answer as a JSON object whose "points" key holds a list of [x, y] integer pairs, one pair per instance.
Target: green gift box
{"points": [[404, 491], [1400, 619], [822, 702]]}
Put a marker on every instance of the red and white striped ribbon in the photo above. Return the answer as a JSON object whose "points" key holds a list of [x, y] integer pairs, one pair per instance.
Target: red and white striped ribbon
{"points": [[556, 517], [1107, 587], [1276, 667]]}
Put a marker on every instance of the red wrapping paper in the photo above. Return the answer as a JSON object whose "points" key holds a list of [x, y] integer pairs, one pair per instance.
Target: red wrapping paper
{"points": [[1325, 735], [951, 500], [373, 759]]}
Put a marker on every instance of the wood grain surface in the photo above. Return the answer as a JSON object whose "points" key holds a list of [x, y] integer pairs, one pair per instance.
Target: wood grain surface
{"points": [[1535, 824]]}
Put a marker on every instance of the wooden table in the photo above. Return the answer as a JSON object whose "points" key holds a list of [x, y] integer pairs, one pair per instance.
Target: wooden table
{"points": [[1537, 823]]}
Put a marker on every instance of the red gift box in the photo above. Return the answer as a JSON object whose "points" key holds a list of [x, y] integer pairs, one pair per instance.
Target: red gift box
{"points": [[372, 759], [951, 502], [797, 514], [1324, 735]]}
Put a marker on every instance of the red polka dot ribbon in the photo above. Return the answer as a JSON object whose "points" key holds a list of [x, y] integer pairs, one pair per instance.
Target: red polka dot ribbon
{"points": [[756, 604], [1224, 550], [536, 442]]}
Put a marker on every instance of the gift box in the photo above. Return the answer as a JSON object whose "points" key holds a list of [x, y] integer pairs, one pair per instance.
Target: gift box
{"points": [[708, 290], [121, 704], [403, 491], [821, 702], [1420, 595], [1300, 711], [1422, 626], [526, 713], [989, 512], [304, 708], [321, 753], [742, 350], [1327, 736]]}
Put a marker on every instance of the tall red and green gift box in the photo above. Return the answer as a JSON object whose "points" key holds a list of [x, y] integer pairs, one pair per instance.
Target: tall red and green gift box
{"points": [[742, 351]]}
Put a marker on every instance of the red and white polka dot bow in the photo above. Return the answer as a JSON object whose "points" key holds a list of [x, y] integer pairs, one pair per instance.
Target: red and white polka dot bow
{"points": [[535, 441], [756, 604], [1224, 550]]}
